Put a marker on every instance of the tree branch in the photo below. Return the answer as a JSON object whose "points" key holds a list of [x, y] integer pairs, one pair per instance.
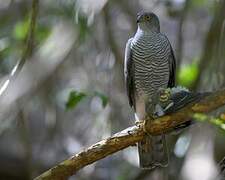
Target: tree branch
{"points": [[211, 45], [180, 38], [30, 37], [130, 136], [27, 52], [222, 169], [94, 153]]}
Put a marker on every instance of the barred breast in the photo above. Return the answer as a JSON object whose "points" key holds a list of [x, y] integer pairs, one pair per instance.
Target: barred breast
{"points": [[150, 55]]}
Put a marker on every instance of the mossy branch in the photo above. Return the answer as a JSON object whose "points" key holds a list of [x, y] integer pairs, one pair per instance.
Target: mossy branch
{"points": [[132, 135]]}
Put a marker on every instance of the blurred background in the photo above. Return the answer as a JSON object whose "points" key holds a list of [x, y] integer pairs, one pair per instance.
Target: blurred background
{"points": [[62, 86]]}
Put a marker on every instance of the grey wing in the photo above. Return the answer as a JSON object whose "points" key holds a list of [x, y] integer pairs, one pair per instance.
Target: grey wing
{"points": [[128, 73], [172, 67]]}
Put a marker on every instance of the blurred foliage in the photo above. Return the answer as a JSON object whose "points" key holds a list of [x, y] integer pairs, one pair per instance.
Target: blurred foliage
{"points": [[217, 121], [199, 3], [103, 97], [21, 29], [75, 97], [188, 74], [17, 38], [83, 27]]}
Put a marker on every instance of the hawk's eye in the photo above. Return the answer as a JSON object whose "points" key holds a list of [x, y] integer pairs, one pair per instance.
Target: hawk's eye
{"points": [[147, 17]]}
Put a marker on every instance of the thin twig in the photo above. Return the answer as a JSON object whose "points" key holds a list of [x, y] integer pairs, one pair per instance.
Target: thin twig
{"points": [[28, 50], [30, 37], [221, 166]]}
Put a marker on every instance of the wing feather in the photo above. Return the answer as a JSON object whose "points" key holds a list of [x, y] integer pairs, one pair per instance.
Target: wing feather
{"points": [[172, 66], [129, 73]]}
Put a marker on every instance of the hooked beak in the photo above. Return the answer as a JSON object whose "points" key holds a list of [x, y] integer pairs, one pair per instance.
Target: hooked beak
{"points": [[138, 19]]}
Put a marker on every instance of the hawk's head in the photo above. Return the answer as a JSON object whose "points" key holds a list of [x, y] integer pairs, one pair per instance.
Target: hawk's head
{"points": [[148, 21]]}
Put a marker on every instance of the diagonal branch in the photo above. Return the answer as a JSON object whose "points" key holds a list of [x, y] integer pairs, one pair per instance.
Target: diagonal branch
{"points": [[94, 153], [27, 52], [130, 136], [31, 33]]}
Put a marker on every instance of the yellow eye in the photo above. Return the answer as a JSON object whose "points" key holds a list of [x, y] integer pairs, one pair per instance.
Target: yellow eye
{"points": [[147, 17]]}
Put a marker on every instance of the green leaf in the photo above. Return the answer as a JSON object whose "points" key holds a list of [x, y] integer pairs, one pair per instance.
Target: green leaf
{"points": [[218, 122], [74, 98], [20, 30], [200, 117], [83, 27], [103, 97], [188, 74], [199, 3], [42, 32]]}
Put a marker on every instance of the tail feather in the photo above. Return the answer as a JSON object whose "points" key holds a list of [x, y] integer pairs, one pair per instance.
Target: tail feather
{"points": [[153, 152]]}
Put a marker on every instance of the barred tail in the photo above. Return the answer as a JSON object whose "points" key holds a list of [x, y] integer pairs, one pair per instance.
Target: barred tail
{"points": [[153, 152]]}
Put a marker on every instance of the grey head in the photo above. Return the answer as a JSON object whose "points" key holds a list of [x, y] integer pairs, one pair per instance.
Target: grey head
{"points": [[148, 21]]}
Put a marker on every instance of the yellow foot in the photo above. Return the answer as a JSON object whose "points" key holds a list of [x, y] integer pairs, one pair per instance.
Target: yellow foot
{"points": [[139, 123]]}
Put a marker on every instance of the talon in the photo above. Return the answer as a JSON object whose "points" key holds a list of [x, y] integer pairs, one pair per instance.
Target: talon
{"points": [[138, 123]]}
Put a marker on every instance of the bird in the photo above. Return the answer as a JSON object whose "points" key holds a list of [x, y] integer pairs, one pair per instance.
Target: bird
{"points": [[170, 100], [149, 65]]}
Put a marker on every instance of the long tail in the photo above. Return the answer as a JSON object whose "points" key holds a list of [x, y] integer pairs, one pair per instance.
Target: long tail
{"points": [[153, 152]]}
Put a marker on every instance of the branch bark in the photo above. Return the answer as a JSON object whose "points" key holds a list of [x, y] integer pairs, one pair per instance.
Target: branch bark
{"points": [[131, 135]]}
